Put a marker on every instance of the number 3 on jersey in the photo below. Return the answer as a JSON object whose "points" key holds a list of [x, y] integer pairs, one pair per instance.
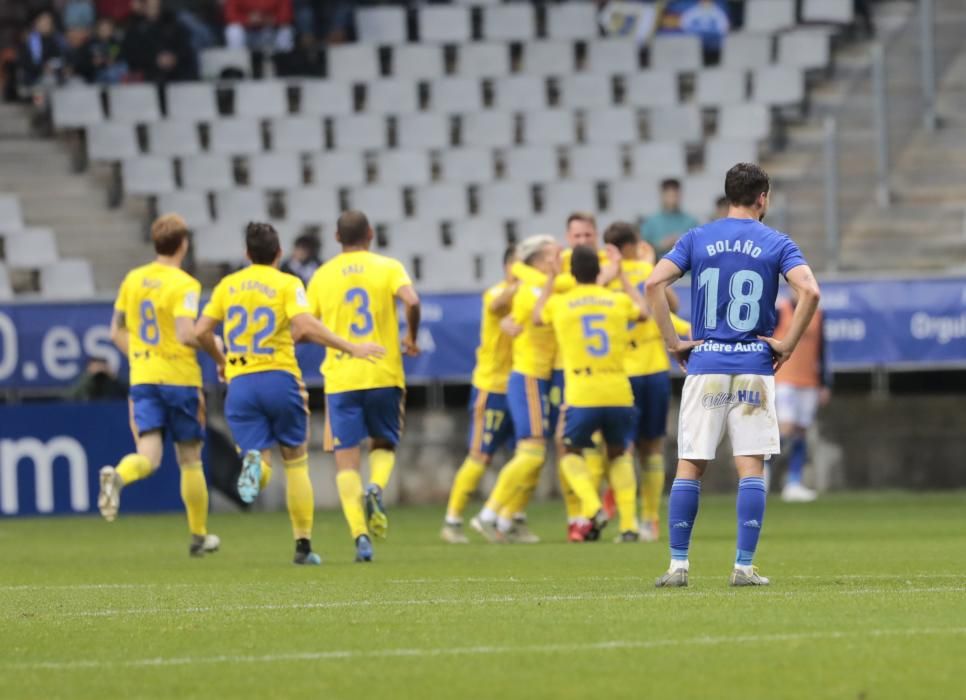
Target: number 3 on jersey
{"points": [[237, 323], [744, 308], [359, 297], [598, 342]]}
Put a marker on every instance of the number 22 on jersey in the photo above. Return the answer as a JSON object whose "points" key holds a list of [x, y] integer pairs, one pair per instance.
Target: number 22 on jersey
{"points": [[236, 328]]}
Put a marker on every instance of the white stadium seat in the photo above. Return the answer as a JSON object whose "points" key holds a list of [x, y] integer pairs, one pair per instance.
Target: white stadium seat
{"points": [[339, 169], [190, 205], [492, 129], [352, 62], [595, 163], [466, 165], [804, 48], [572, 20], [405, 168], [744, 122], [699, 193], [236, 136], [629, 200], [549, 127], [520, 93], [479, 235], [562, 198], [677, 52], [452, 95], [548, 58], [423, 130], [745, 50], [769, 15], [448, 269], [531, 164], [191, 101], [509, 22], [651, 88], [417, 61], [172, 137], [325, 98], [409, 237], [275, 171], [311, 205], [110, 141], [11, 215], [297, 134], [721, 86], [779, 85], [505, 200], [834, 11], [30, 248], [221, 242], [381, 25], [675, 124], [442, 201], [617, 55], [360, 132], [611, 125], [147, 175], [6, 289], [67, 279], [76, 106], [241, 205], [379, 202], [586, 91], [659, 159], [442, 24], [392, 96], [260, 99], [217, 60], [483, 60], [720, 155], [208, 171], [133, 103]]}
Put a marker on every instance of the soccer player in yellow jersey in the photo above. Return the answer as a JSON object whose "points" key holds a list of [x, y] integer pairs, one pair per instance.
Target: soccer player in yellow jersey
{"points": [[590, 324], [490, 424], [153, 325], [528, 390], [264, 312], [648, 367], [355, 293]]}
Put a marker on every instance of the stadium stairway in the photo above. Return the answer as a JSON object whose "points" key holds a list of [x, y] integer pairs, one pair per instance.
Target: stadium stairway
{"points": [[74, 206]]}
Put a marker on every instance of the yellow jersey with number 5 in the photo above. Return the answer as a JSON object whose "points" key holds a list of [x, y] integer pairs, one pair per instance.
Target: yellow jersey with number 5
{"points": [[257, 305], [151, 297], [355, 296]]}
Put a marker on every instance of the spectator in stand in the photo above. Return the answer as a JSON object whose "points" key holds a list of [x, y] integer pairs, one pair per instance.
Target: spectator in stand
{"points": [[78, 14], [98, 383], [41, 56], [662, 230], [157, 47], [260, 25], [720, 208], [116, 10], [99, 59], [194, 15], [708, 19], [305, 259]]}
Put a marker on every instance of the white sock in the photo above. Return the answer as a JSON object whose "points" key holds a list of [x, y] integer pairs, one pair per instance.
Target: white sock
{"points": [[454, 521], [679, 564], [743, 568], [488, 516], [504, 524]]}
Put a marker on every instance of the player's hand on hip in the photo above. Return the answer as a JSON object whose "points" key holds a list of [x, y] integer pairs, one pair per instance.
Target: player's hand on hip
{"points": [[681, 351], [365, 351], [410, 347], [780, 352]]}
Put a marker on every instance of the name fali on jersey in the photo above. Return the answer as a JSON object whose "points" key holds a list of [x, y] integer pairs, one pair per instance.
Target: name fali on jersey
{"points": [[744, 247], [714, 346]]}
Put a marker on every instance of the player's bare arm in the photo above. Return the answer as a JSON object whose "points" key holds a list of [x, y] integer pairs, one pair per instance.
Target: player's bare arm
{"points": [[545, 293], [639, 301], [119, 332], [664, 275], [204, 333], [803, 282], [306, 328], [184, 331], [510, 327], [410, 300], [501, 305]]}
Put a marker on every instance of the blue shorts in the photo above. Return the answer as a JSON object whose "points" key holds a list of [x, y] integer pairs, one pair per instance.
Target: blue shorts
{"points": [[175, 410], [490, 424], [529, 404], [352, 416], [267, 408], [556, 398], [580, 424], [652, 399]]}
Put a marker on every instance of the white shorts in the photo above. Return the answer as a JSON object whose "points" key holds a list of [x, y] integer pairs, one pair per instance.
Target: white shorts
{"points": [[797, 404], [742, 404]]}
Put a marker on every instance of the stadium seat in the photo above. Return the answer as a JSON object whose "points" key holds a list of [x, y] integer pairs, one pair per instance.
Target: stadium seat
{"points": [[381, 25], [659, 159], [562, 198], [30, 248], [582, 91], [677, 52], [417, 61], [171, 137], [379, 202], [325, 98], [222, 242], [442, 201], [479, 235], [261, 99], [651, 88], [339, 169], [834, 11], [453, 95], [11, 215], [147, 175], [531, 164], [311, 205], [443, 25], [744, 122], [392, 96], [71, 278], [466, 165], [214, 62], [507, 200], [549, 127], [509, 22], [235, 136], [6, 289], [615, 55], [779, 85], [191, 101], [769, 15], [133, 103], [721, 86], [548, 58], [630, 200], [409, 237], [275, 171], [240, 205], [407, 167], [595, 163], [700, 192], [360, 131], [423, 130], [571, 20], [483, 60], [207, 171], [76, 106], [720, 155], [524, 93], [191, 205], [611, 125], [352, 62], [110, 141], [804, 48], [681, 123], [448, 269], [745, 50], [493, 129], [297, 134]]}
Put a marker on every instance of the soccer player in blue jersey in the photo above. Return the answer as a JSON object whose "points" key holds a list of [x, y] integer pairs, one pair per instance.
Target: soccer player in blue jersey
{"points": [[735, 265]]}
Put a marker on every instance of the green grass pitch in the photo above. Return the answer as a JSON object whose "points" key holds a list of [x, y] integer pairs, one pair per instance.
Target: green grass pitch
{"points": [[868, 600]]}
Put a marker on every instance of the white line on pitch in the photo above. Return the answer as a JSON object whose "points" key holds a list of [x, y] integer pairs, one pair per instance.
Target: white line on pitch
{"points": [[344, 654]]}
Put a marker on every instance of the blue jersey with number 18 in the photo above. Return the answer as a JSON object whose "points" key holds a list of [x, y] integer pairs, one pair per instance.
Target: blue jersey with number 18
{"points": [[735, 266]]}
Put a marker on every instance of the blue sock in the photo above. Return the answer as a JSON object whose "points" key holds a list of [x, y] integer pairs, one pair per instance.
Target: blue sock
{"points": [[682, 508], [796, 460], [751, 514]]}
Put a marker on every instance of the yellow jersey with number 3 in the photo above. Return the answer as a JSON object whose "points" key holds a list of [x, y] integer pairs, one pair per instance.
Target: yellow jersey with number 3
{"points": [[257, 305], [494, 357], [590, 324], [151, 297], [355, 296]]}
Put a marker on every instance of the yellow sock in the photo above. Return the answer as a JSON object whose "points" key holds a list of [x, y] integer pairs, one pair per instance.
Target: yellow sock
{"points": [[381, 463], [652, 487], [464, 484], [581, 482], [266, 476], [624, 483], [571, 502], [134, 467], [299, 496], [521, 498], [527, 458], [596, 465], [349, 484], [194, 493]]}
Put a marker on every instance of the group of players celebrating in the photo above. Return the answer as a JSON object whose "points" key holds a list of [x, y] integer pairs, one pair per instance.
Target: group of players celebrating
{"points": [[575, 349]]}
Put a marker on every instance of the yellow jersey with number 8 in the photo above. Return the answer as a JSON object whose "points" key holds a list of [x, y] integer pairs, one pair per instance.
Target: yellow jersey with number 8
{"points": [[151, 298]]}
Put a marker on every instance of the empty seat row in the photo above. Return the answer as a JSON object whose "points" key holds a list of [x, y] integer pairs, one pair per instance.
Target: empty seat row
{"points": [[11, 216], [30, 248]]}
